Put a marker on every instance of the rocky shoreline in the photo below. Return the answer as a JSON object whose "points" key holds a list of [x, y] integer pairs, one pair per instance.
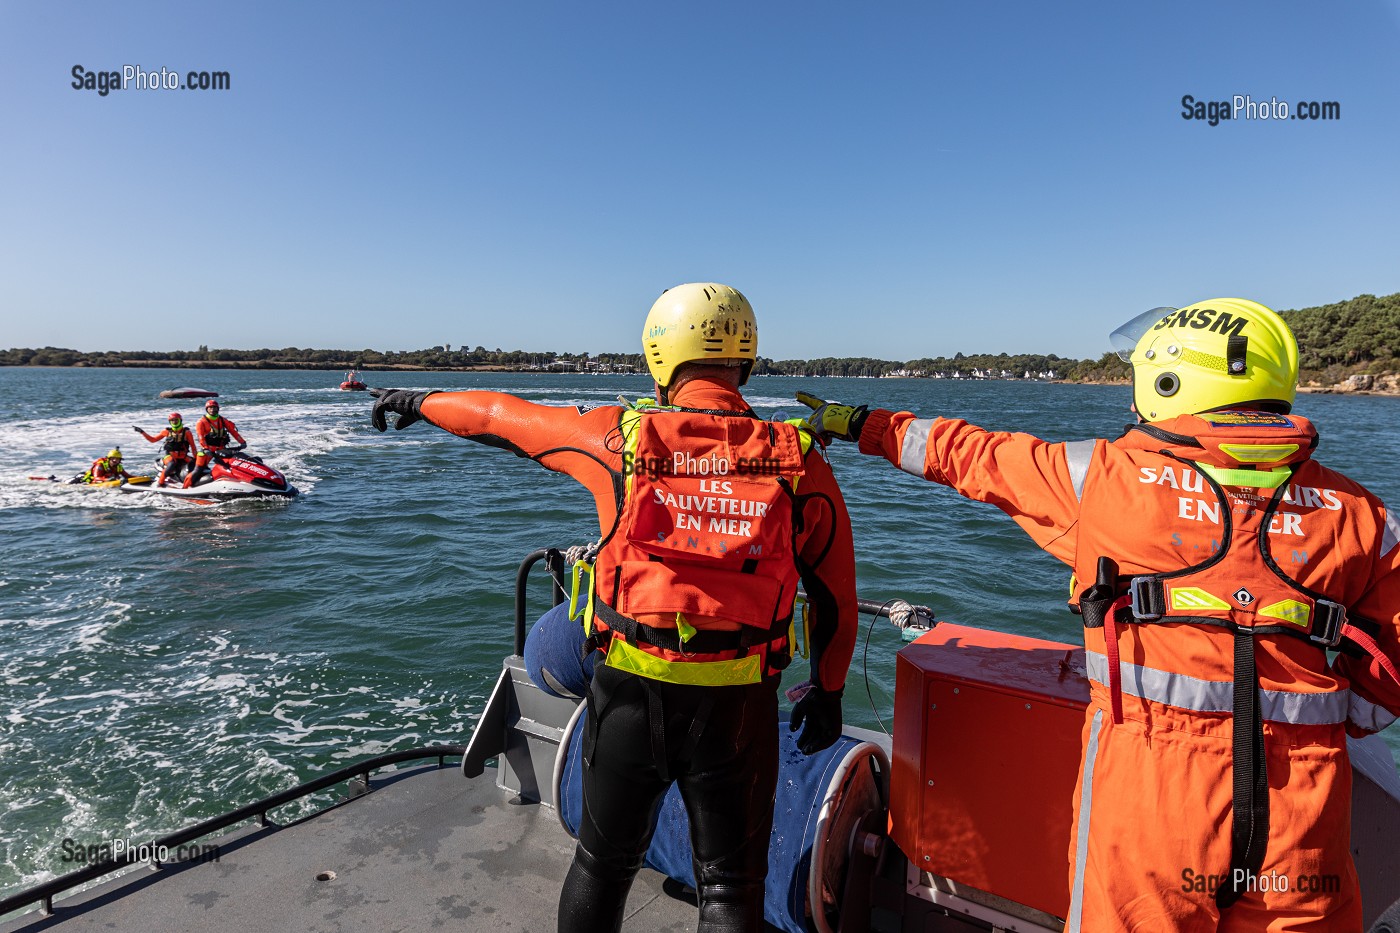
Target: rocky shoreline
{"points": [[1359, 384]]}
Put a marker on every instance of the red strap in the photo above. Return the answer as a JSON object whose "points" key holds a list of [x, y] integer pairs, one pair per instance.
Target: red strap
{"points": [[1110, 632], [1373, 649]]}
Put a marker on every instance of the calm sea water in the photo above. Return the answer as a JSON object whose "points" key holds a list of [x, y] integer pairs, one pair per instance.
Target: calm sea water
{"points": [[161, 662]]}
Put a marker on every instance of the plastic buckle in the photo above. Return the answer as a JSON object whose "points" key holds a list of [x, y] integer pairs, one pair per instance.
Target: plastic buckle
{"points": [[1142, 594], [1333, 617], [581, 568]]}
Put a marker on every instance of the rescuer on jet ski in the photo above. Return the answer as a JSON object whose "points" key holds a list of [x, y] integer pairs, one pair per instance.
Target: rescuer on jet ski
{"points": [[105, 469], [1215, 563], [214, 431], [709, 518], [179, 447]]}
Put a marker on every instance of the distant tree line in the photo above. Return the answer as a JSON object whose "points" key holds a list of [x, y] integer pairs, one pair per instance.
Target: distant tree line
{"points": [[295, 357], [1361, 335]]}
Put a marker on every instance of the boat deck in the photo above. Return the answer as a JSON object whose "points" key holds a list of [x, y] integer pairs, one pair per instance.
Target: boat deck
{"points": [[426, 849]]}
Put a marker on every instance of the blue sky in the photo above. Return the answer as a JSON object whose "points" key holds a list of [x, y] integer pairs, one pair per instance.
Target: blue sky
{"points": [[892, 180]]}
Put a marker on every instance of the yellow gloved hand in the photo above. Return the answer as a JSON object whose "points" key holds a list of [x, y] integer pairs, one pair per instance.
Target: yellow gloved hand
{"points": [[832, 419]]}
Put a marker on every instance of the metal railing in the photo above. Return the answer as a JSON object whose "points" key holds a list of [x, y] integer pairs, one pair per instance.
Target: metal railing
{"points": [[903, 614], [46, 891]]}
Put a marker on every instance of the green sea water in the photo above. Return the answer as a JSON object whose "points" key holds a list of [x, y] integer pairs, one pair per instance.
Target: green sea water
{"points": [[161, 662]]}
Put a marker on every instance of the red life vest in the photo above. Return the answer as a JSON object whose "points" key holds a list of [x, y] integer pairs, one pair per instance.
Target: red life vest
{"points": [[215, 433], [701, 562]]}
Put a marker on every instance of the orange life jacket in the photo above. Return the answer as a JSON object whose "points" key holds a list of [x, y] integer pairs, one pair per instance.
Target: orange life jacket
{"points": [[214, 431], [700, 565]]}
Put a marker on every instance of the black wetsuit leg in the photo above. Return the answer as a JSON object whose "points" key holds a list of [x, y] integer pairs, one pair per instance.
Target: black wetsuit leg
{"points": [[727, 771], [728, 791]]}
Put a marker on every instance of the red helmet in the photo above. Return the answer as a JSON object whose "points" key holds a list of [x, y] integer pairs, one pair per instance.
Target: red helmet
{"points": [[175, 417], [211, 405]]}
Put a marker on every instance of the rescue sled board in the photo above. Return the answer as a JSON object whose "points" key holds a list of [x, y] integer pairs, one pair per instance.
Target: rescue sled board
{"points": [[109, 484]]}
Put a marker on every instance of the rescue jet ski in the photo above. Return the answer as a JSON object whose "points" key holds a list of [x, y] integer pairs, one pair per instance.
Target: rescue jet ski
{"points": [[232, 475]]}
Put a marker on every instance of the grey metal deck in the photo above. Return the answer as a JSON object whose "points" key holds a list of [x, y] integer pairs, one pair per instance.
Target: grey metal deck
{"points": [[427, 849]]}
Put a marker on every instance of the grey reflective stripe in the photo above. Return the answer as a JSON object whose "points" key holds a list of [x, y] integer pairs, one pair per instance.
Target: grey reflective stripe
{"points": [[1081, 844], [1217, 696], [1390, 535], [1077, 456], [911, 452], [1368, 715]]}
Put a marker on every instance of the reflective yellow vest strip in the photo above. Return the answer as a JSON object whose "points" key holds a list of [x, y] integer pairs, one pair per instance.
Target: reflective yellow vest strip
{"points": [[625, 657]]}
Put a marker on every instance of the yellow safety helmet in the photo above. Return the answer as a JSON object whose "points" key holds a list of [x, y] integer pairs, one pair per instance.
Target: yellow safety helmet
{"points": [[699, 322], [114, 454], [1209, 355]]}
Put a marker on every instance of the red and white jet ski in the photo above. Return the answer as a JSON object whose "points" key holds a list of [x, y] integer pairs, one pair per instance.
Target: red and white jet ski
{"points": [[232, 475]]}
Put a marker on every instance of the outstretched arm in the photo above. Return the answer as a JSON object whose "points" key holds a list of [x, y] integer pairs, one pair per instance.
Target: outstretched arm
{"points": [[1029, 479], [583, 444]]}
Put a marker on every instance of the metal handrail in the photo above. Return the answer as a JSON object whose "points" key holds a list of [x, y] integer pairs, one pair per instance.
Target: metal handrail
{"points": [[554, 560], [46, 891]]}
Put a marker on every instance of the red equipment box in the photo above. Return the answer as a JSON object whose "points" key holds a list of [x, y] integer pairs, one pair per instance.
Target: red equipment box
{"points": [[987, 732]]}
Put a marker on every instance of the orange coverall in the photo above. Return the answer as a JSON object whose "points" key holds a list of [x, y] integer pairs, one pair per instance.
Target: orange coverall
{"points": [[1154, 808]]}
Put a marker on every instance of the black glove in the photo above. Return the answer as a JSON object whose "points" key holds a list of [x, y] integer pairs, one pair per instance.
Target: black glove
{"points": [[138, 430], [403, 402], [820, 710]]}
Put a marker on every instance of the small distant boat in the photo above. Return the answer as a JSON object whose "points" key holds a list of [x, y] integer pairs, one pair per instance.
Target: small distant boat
{"points": [[353, 382], [188, 392]]}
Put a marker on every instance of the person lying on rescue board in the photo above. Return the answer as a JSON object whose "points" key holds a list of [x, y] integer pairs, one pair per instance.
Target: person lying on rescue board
{"points": [[105, 469], [1215, 562]]}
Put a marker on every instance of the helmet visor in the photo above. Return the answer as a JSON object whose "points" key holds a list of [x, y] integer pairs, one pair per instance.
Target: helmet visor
{"points": [[1125, 338]]}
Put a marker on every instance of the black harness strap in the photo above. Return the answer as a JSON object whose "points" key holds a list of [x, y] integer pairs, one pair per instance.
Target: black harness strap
{"points": [[656, 717], [697, 726], [1249, 835], [669, 639]]}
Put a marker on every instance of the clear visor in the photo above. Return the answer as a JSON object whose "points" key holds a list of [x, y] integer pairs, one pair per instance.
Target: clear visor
{"points": [[1125, 338]]}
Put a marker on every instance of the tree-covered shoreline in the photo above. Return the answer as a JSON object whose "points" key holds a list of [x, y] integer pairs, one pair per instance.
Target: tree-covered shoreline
{"points": [[1355, 338]]}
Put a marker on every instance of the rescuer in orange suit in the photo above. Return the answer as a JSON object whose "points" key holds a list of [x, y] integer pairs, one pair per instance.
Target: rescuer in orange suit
{"points": [[709, 518], [213, 431], [1215, 562], [179, 447]]}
